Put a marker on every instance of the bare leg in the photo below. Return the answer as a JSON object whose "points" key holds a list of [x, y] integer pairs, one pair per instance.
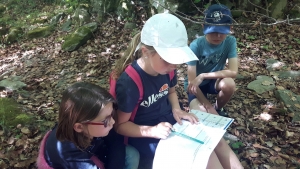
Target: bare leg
{"points": [[213, 162], [195, 104], [226, 88], [225, 155]]}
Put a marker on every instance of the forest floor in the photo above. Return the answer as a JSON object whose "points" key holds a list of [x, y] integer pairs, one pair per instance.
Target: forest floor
{"points": [[264, 143]]}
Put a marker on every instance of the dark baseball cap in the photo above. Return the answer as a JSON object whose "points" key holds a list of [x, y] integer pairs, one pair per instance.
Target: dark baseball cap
{"points": [[217, 14]]}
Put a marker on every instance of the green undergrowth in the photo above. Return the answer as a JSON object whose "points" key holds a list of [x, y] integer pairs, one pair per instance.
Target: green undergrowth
{"points": [[11, 114]]}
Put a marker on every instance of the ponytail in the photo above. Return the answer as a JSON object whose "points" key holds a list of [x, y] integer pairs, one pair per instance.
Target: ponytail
{"points": [[129, 56]]}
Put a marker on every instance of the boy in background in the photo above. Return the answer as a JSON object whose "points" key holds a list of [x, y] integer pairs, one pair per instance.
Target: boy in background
{"points": [[208, 75]]}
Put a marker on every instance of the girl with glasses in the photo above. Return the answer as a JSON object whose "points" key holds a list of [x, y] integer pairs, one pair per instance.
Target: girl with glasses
{"points": [[83, 137]]}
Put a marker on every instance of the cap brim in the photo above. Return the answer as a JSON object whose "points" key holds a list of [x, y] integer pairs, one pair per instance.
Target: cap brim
{"points": [[219, 28], [176, 55]]}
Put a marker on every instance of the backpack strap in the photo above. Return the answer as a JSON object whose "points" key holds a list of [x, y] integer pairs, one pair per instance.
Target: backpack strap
{"points": [[171, 74], [133, 74], [97, 162]]}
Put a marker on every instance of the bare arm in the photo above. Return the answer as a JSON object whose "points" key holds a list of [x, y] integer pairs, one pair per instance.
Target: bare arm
{"points": [[173, 98], [177, 112], [130, 129], [231, 72], [127, 128], [191, 73]]}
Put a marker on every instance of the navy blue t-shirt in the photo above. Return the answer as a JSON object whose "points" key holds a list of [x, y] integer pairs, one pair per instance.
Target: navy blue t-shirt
{"points": [[155, 101], [65, 155]]}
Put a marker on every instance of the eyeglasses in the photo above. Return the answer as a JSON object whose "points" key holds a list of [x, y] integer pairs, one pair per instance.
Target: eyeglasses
{"points": [[105, 122]]}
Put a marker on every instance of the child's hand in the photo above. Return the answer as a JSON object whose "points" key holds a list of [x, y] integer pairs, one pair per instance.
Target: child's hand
{"points": [[194, 84], [161, 130], [180, 114]]}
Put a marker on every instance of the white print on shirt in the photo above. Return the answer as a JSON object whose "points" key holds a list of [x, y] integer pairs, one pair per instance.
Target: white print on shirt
{"points": [[213, 58], [163, 91]]}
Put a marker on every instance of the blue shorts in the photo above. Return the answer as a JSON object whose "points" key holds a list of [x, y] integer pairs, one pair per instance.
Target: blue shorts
{"points": [[208, 88]]}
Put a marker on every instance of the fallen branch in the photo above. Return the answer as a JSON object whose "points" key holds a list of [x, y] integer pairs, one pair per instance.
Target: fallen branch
{"points": [[275, 21]]}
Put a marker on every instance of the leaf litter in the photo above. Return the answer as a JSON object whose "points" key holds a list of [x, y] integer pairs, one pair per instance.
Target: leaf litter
{"points": [[267, 137]]}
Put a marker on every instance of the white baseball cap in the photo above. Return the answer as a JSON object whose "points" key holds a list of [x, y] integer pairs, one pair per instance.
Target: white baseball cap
{"points": [[167, 34]]}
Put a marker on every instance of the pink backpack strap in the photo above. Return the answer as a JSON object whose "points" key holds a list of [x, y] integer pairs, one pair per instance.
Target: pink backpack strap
{"points": [[133, 74], [171, 74], [41, 161], [97, 162]]}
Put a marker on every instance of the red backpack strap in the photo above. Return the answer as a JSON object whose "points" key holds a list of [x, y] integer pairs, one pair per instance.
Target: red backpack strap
{"points": [[97, 162], [171, 74], [133, 74]]}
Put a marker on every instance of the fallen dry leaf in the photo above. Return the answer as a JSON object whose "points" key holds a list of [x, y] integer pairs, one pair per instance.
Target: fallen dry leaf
{"points": [[297, 105], [289, 134], [25, 130]]}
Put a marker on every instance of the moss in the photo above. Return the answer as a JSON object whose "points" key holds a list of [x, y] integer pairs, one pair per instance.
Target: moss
{"points": [[2, 8], [293, 13], [3, 30], [82, 31], [14, 34], [5, 20], [72, 43], [40, 32], [22, 119], [40, 20], [11, 114], [277, 7], [78, 38]]}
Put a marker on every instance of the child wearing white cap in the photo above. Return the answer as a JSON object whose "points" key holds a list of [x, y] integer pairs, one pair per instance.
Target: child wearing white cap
{"points": [[153, 54]]}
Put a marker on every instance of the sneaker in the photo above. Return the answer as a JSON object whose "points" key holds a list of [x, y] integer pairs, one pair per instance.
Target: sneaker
{"points": [[222, 112]]}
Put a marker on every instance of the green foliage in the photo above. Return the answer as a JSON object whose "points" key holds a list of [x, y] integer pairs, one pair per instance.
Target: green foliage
{"points": [[40, 32], [197, 1], [11, 114], [251, 37], [297, 40], [237, 145], [266, 47], [71, 3]]}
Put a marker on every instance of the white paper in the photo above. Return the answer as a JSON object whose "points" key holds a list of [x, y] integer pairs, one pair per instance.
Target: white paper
{"points": [[178, 152]]}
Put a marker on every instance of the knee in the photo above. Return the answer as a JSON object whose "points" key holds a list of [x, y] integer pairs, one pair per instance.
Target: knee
{"points": [[194, 104], [227, 85]]}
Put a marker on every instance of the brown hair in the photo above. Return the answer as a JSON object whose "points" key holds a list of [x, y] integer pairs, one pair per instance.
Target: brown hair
{"points": [[130, 56], [80, 102]]}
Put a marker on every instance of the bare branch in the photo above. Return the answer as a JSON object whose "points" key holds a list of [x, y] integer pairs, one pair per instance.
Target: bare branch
{"points": [[274, 21]]}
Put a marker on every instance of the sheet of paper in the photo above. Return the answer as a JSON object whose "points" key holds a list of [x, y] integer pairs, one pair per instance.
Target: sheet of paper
{"points": [[178, 152]]}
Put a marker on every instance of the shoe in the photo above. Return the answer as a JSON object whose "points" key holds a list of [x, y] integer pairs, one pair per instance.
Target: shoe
{"points": [[222, 112]]}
